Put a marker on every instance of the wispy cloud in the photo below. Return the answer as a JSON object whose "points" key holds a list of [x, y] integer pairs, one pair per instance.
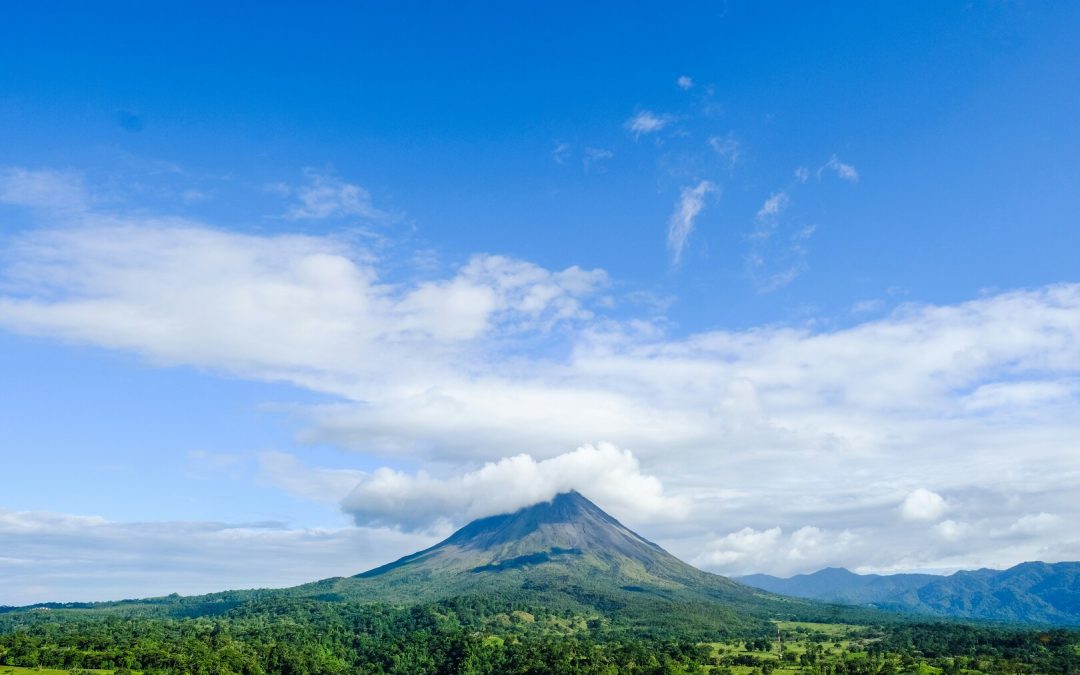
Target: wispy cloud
{"points": [[51, 556], [727, 147], [43, 189], [561, 152], [595, 157], [844, 171], [328, 486], [773, 206], [769, 276], [687, 209], [324, 196], [646, 122], [684, 82], [868, 306], [778, 253]]}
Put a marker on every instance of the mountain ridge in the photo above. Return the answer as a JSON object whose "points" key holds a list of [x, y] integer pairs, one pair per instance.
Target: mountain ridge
{"points": [[1030, 592]]}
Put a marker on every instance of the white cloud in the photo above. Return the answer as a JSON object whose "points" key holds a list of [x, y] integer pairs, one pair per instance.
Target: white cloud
{"points": [[767, 282], [328, 486], [1003, 398], [773, 206], [922, 504], [595, 157], [647, 122], [179, 293], [560, 153], [1031, 525], [601, 472], [868, 306], [727, 147], [684, 82], [51, 556], [687, 209], [501, 356], [774, 261], [738, 546], [326, 196], [43, 189], [748, 550], [844, 171], [953, 530]]}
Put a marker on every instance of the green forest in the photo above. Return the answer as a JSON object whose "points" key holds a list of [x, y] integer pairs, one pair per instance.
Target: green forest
{"points": [[478, 634]]}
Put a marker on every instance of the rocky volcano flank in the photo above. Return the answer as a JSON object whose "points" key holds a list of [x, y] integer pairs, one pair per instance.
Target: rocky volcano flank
{"points": [[567, 531]]}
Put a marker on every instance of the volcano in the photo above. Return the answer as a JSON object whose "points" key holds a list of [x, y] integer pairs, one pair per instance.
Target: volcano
{"points": [[568, 533], [567, 554]]}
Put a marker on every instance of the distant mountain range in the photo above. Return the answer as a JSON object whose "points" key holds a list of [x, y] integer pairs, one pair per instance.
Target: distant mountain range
{"points": [[1031, 592]]}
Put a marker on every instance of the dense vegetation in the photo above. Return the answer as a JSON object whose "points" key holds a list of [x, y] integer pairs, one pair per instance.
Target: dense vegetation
{"points": [[473, 635], [479, 634]]}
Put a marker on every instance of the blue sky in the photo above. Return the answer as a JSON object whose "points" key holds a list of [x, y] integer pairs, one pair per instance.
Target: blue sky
{"points": [[322, 283]]}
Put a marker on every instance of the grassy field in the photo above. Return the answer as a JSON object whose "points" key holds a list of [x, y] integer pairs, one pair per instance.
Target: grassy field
{"points": [[806, 647]]}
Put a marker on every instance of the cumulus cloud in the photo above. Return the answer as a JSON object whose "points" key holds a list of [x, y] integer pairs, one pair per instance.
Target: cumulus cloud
{"points": [[952, 530], [747, 551], [1031, 525], [684, 82], [602, 472], [737, 546], [681, 224], [922, 504], [646, 122]]}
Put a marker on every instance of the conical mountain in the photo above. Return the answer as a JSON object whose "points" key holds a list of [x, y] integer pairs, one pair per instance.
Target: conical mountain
{"points": [[567, 555], [568, 531]]}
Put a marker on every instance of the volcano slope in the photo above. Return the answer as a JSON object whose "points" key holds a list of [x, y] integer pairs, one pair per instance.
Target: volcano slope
{"points": [[561, 558], [569, 555]]}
